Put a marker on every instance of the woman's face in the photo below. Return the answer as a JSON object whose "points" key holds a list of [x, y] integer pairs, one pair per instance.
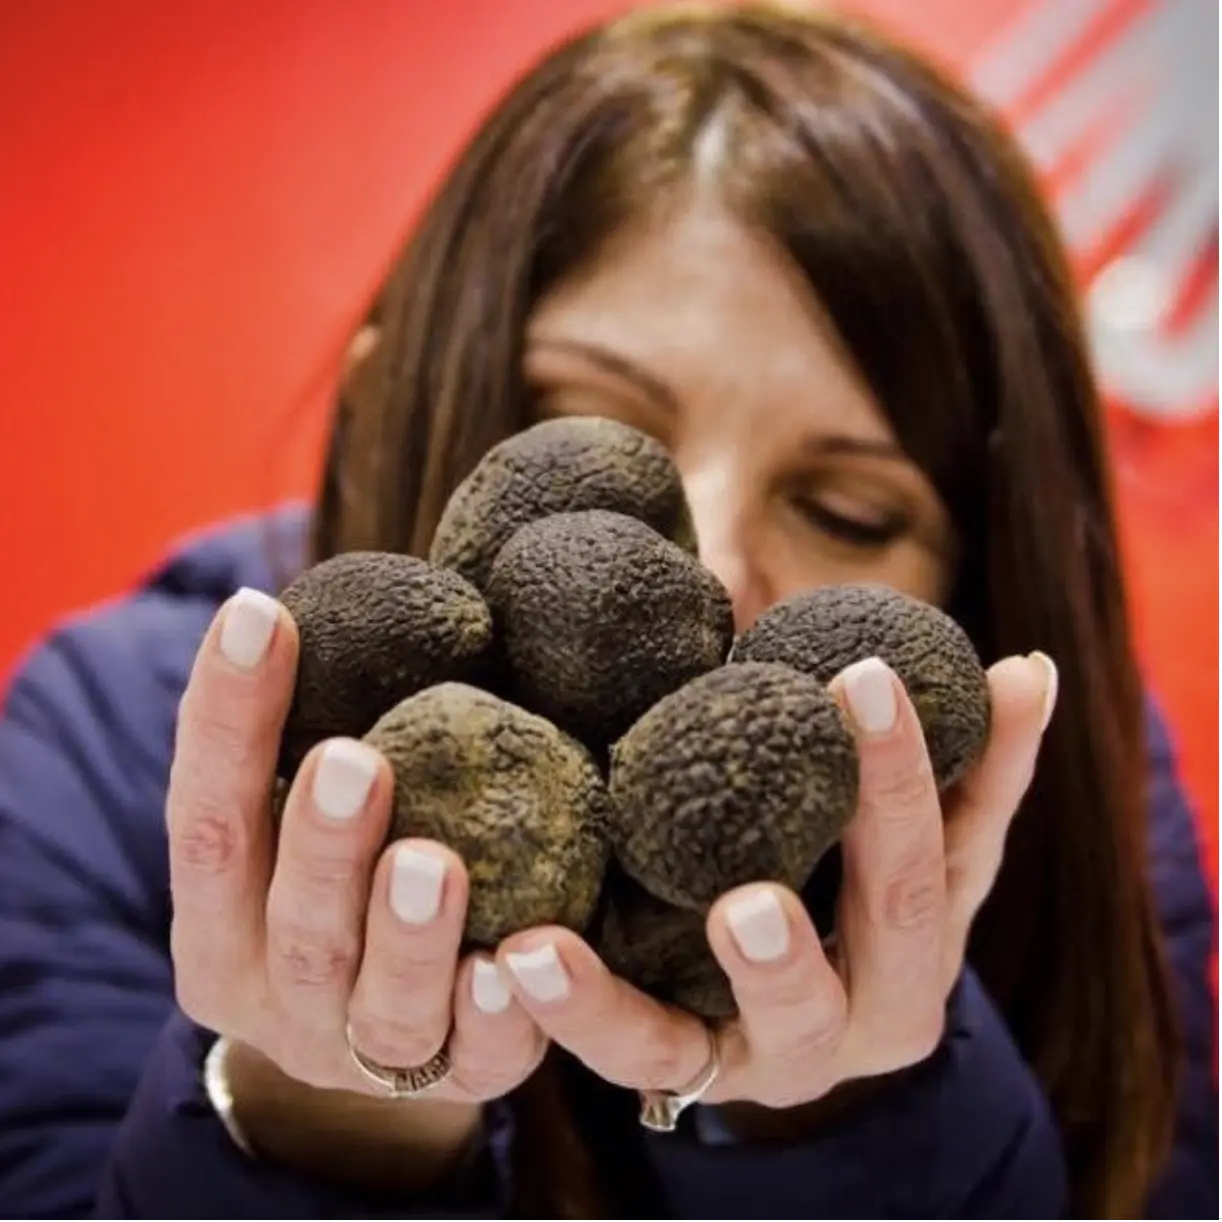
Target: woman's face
{"points": [[704, 336]]}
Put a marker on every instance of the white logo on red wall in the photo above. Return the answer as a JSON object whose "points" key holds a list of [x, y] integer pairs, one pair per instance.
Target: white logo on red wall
{"points": [[1116, 101]]}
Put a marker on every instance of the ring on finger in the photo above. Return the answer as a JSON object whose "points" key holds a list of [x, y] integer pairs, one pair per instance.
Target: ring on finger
{"points": [[661, 1109], [407, 1081]]}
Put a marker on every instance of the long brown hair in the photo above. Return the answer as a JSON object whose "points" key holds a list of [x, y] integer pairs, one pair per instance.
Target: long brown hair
{"points": [[916, 221]]}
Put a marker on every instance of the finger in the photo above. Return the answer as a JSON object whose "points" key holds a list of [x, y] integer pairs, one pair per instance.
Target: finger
{"points": [[400, 1010], [220, 846], [792, 1005], [615, 1030], [893, 900], [334, 822], [1022, 694], [496, 1045]]}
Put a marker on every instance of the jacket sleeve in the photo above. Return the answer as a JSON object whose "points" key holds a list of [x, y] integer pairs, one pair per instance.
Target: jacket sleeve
{"points": [[1188, 1187], [102, 1111], [967, 1134]]}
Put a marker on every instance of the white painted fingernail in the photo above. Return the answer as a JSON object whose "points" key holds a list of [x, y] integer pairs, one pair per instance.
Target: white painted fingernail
{"points": [[488, 990], [343, 778], [759, 926], [416, 882], [1052, 682], [869, 689], [246, 631], [540, 972]]}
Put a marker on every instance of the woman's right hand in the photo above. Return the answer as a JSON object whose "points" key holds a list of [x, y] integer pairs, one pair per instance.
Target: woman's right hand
{"points": [[281, 944]]}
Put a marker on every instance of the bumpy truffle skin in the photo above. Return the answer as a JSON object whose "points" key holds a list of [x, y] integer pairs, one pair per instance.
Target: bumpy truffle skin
{"points": [[521, 803], [375, 628], [748, 773], [664, 951], [559, 466], [600, 617], [823, 631]]}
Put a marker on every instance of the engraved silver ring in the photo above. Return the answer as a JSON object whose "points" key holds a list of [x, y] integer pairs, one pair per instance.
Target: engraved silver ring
{"points": [[402, 1082]]}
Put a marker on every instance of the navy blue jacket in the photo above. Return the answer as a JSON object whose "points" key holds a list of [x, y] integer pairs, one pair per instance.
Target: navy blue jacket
{"points": [[101, 1107]]}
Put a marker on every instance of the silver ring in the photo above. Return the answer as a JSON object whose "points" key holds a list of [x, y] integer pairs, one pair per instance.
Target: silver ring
{"points": [[402, 1082], [661, 1109]]}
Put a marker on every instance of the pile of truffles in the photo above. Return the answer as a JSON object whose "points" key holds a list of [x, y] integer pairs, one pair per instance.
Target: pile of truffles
{"points": [[562, 700]]}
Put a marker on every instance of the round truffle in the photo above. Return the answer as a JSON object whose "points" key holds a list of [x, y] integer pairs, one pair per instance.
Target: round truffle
{"points": [[664, 951], [823, 631], [375, 628], [521, 803], [559, 466], [746, 774], [599, 617]]}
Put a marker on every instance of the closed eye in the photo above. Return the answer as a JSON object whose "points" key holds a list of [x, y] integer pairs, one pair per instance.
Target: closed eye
{"points": [[864, 532]]}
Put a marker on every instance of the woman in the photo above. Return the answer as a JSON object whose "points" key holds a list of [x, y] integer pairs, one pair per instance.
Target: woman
{"points": [[822, 276]]}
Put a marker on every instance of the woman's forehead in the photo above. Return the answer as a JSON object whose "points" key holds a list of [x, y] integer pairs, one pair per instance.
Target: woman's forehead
{"points": [[707, 306]]}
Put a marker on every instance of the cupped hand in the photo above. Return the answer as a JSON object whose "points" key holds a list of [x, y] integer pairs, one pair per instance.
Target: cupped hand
{"points": [[916, 870], [285, 944]]}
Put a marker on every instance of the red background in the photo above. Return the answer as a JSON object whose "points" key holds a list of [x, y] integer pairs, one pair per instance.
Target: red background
{"points": [[197, 198]]}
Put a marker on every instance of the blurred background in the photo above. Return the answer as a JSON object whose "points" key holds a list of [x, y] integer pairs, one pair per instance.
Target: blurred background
{"points": [[198, 197]]}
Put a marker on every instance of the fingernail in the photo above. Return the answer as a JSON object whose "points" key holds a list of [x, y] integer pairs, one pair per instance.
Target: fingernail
{"points": [[488, 990], [343, 778], [870, 691], [759, 926], [540, 972], [1051, 684], [246, 631], [416, 882]]}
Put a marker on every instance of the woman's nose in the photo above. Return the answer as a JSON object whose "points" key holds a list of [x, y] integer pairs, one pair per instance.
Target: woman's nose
{"points": [[723, 538]]}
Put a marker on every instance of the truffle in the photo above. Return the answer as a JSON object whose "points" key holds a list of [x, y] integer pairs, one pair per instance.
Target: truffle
{"points": [[599, 617], [521, 803], [823, 631], [559, 466], [748, 773], [664, 951], [375, 628]]}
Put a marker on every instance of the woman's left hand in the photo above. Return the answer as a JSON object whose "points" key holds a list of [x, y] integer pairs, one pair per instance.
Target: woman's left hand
{"points": [[914, 878]]}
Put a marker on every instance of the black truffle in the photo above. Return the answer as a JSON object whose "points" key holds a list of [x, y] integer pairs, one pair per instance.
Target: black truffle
{"points": [[746, 774], [599, 617], [375, 628], [664, 951], [823, 631], [521, 803], [559, 466]]}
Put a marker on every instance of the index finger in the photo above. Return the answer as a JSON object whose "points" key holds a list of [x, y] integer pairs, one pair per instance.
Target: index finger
{"points": [[217, 806], [893, 900]]}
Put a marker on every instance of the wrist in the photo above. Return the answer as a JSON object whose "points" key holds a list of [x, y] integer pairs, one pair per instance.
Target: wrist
{"points": [[366, 1143]]}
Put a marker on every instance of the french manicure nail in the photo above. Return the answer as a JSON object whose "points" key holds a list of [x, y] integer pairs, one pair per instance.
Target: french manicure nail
{"points": [[759, 926], [246, 631], [416, 882], [343, 778], [870, 692], [488, 990], [1051, 684], [540, 972]]}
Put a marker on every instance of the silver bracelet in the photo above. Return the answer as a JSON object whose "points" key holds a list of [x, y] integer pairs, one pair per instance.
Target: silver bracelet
{"points": [[216, 1086]]}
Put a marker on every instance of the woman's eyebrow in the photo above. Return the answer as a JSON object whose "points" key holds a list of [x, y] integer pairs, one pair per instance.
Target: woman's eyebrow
{"points": [[614, 364], [858, 446]]}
